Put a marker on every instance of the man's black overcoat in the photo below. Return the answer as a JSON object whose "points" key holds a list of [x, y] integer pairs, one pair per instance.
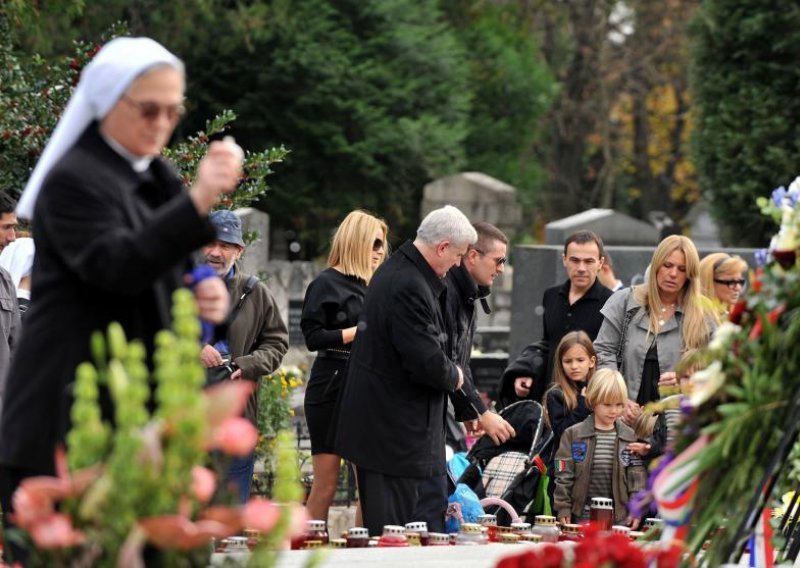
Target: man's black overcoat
{"points": [[391, 418]]}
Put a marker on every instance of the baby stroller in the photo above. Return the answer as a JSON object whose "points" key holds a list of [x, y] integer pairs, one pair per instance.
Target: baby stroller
{"points": [[513, 472]]}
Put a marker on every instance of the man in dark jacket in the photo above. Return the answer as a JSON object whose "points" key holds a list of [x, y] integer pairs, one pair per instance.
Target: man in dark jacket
{"points": [[469, 284], [393, 401], [114, 229], [257, 337], [575, 304]]}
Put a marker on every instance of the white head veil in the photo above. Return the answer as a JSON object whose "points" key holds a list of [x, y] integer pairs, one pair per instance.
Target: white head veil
{"points": [[102, 83], [17, 258]]}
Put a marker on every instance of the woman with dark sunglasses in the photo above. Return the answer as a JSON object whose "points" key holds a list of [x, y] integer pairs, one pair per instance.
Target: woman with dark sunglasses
{"points": [[723, 278], [331, 309]]}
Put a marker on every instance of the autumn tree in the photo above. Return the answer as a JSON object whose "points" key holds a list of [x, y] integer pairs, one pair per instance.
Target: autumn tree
{"points": [[652, 111], [618, 130]]}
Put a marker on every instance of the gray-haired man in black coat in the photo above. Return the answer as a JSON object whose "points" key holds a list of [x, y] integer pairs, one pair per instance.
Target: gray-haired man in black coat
{"points": [[391, 420]]}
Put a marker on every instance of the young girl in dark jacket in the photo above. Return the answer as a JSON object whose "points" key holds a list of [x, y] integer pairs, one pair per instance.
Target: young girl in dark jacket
{"points": [[564, 402]]}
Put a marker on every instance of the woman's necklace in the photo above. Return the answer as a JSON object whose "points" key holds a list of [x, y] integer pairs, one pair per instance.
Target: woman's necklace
{"points": [[666, 312]]}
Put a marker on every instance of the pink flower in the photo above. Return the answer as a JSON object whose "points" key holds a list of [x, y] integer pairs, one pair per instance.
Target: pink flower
{"points": [[227, 400], [204, 482], [30, 506], [235, 436], [34, 499], [177, 531], [229, 516], [55, 531], [298, 516], [260, 514], [53, 488]]}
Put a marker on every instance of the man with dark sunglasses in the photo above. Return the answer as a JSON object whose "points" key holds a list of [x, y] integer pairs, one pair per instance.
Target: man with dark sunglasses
{"points": [[468, 284]]}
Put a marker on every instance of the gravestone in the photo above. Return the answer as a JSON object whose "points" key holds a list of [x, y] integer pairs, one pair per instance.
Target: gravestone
{"points": [[703, 230], [293, 322], [614, 227], [479, 196], [256, 255]]}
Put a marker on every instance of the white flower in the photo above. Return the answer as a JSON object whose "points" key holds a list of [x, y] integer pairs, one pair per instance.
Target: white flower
{"points": [[794, 187], [705, 383], [723, 336]]}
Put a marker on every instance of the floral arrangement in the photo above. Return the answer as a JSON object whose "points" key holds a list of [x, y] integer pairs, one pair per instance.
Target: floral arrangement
{"points": [[597, 548], [782, 207], [125, 492], [743, 397]]}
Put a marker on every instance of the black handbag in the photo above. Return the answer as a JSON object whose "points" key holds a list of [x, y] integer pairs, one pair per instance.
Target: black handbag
{"points": [[623, 338], [223, 372]]}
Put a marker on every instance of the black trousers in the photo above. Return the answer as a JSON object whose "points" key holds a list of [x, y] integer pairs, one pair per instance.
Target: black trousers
{"points": [[386, 499], [432, 502]]}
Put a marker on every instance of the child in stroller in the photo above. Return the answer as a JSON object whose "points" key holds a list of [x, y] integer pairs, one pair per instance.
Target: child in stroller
{"points": [[514, 471], [524, 378]]}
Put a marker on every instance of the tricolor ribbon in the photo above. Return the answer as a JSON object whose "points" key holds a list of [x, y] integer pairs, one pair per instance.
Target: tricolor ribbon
{"points": [[674, 490], [762, 554]]}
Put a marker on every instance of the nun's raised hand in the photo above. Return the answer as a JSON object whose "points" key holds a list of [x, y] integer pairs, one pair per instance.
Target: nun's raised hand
{"points": [[213, 300], [218, 172]]}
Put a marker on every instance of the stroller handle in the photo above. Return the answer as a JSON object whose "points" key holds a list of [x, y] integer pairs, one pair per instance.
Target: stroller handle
{"points": [[486, 501]]}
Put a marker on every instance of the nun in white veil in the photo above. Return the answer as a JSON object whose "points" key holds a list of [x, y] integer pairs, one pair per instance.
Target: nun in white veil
{"points": [[114, 230]]}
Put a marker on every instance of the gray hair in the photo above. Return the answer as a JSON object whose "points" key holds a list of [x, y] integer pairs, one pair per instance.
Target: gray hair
{"points": [[446, 224]]}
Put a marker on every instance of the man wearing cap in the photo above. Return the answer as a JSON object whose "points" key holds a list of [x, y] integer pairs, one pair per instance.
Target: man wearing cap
{"points": [[257, 336], [115, 230]]}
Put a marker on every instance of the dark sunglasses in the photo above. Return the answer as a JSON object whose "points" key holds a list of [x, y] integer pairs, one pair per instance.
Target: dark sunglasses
{"points": [[377, 245], [498, 261], [731, 283], [149, 110]]}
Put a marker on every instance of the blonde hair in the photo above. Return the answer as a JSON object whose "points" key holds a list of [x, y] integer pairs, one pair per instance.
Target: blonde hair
{"points": [[644, 424], [691, 361], [560, 380], [715, 265], [606, 387], [694, 327], [351, 248]]}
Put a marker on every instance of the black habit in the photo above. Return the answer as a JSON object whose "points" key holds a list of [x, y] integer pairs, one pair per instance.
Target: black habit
{"points": [[111, 246]]}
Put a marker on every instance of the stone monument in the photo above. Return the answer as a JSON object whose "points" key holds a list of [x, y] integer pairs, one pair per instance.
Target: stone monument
{"points": [[479, 196]]}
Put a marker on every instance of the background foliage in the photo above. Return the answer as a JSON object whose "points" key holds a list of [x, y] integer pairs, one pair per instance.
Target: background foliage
{"points": [[577, 103], [747, 108]]}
